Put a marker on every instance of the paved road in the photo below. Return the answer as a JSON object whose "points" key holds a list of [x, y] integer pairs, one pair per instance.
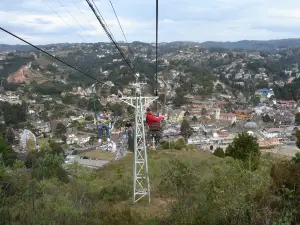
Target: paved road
{"points": [[289, 150]]}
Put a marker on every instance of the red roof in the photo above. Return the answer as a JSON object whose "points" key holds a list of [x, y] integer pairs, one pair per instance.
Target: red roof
{"points": [[227, 115], [287, 102]]}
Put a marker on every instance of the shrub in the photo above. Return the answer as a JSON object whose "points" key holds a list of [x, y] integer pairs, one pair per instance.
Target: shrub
{"points": [[245, 148], [219, 152], [178, 144]]}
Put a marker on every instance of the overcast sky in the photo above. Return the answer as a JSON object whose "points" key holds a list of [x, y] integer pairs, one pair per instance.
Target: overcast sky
{"points": [[179, 20]]}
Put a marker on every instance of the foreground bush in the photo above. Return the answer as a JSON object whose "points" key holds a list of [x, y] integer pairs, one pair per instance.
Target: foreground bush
{"points": [[177, 145], [219, 152], [245, 148]]}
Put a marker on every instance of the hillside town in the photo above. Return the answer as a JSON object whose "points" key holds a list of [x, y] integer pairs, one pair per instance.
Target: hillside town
{"points": [[240, 92]]}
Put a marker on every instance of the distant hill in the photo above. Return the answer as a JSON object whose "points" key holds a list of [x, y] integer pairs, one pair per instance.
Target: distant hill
{"points": [[244, 45], [268, 46], [9, 48]]}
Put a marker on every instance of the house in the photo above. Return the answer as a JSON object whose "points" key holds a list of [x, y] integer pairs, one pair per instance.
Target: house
{"points": [[272, 132], [41, 126], [238, 76], [225, 117], [76, 118], [247, 76], [269, 143], [73, 139], [290, 103]]}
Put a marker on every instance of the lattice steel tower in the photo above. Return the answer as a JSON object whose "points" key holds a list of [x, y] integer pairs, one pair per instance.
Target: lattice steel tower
{"points": [[141, 183]]}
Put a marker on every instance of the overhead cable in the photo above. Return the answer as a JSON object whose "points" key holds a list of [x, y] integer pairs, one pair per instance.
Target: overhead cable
{"points": [[102, 18], [110, 36], [156, 46], [71, 15], [84, 15], [121, 28], [63, 20], [58, 59]]}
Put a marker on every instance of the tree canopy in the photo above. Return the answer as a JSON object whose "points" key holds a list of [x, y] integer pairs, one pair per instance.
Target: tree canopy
{"points": [[7, 153], [245, 148]]}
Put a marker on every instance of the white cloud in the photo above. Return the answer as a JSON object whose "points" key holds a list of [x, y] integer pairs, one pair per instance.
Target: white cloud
{"points": [[220, 20]]}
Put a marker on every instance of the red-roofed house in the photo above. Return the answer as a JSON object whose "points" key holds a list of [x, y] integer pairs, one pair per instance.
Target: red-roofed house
{"points": [[225, 117]]}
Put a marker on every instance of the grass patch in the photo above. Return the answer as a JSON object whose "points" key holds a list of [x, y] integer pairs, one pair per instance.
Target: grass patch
{"points": [[43, 141], [98, 154]]}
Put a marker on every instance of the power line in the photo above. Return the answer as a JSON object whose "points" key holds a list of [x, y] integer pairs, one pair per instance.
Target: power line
{"points": [[103, 20], [63, 20], [121, 28], [109, 35], [84, 16], [72, 15], [58, 59], [156, 45]]}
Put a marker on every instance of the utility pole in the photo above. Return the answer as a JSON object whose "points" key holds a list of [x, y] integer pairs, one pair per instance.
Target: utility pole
{"points": [[141, 183]]}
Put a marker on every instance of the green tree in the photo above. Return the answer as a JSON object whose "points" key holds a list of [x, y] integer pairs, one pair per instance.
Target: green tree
{"points": [[64, 139], [255, 100], [82, 103], [8, 154], [51, 68], [203, 111], [186, 113], [130, 110], [296, 159], [116, 109], [219, 152], [262, 84], [89, 118], [180, 98], [298, 138], [95, 105], [70, 113], [55, 148], [92, 139], [44, 115], [266, 118], [10, 136], [245, 148], [47, 105], [60, 130], [219, 88], [49, 166], [194, 119], [297, 119], [185, 129]]}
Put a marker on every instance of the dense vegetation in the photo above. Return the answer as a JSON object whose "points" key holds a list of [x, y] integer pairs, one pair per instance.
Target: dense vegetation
{"points": [[13, 114], [188, 187], [13, 63]]}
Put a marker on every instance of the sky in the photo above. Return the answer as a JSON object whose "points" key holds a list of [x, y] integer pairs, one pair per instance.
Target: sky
{"points": [[72, 21]]}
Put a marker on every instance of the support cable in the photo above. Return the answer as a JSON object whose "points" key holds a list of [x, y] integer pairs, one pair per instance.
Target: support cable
{"points": [[58, 59], [63, 20], [156, 46], [84, 16], [72, 16], [121, 28], [102, 18], [106, 29]]}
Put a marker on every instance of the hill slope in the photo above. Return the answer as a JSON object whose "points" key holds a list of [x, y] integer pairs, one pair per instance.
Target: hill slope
{"points": [[269, 45]]}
